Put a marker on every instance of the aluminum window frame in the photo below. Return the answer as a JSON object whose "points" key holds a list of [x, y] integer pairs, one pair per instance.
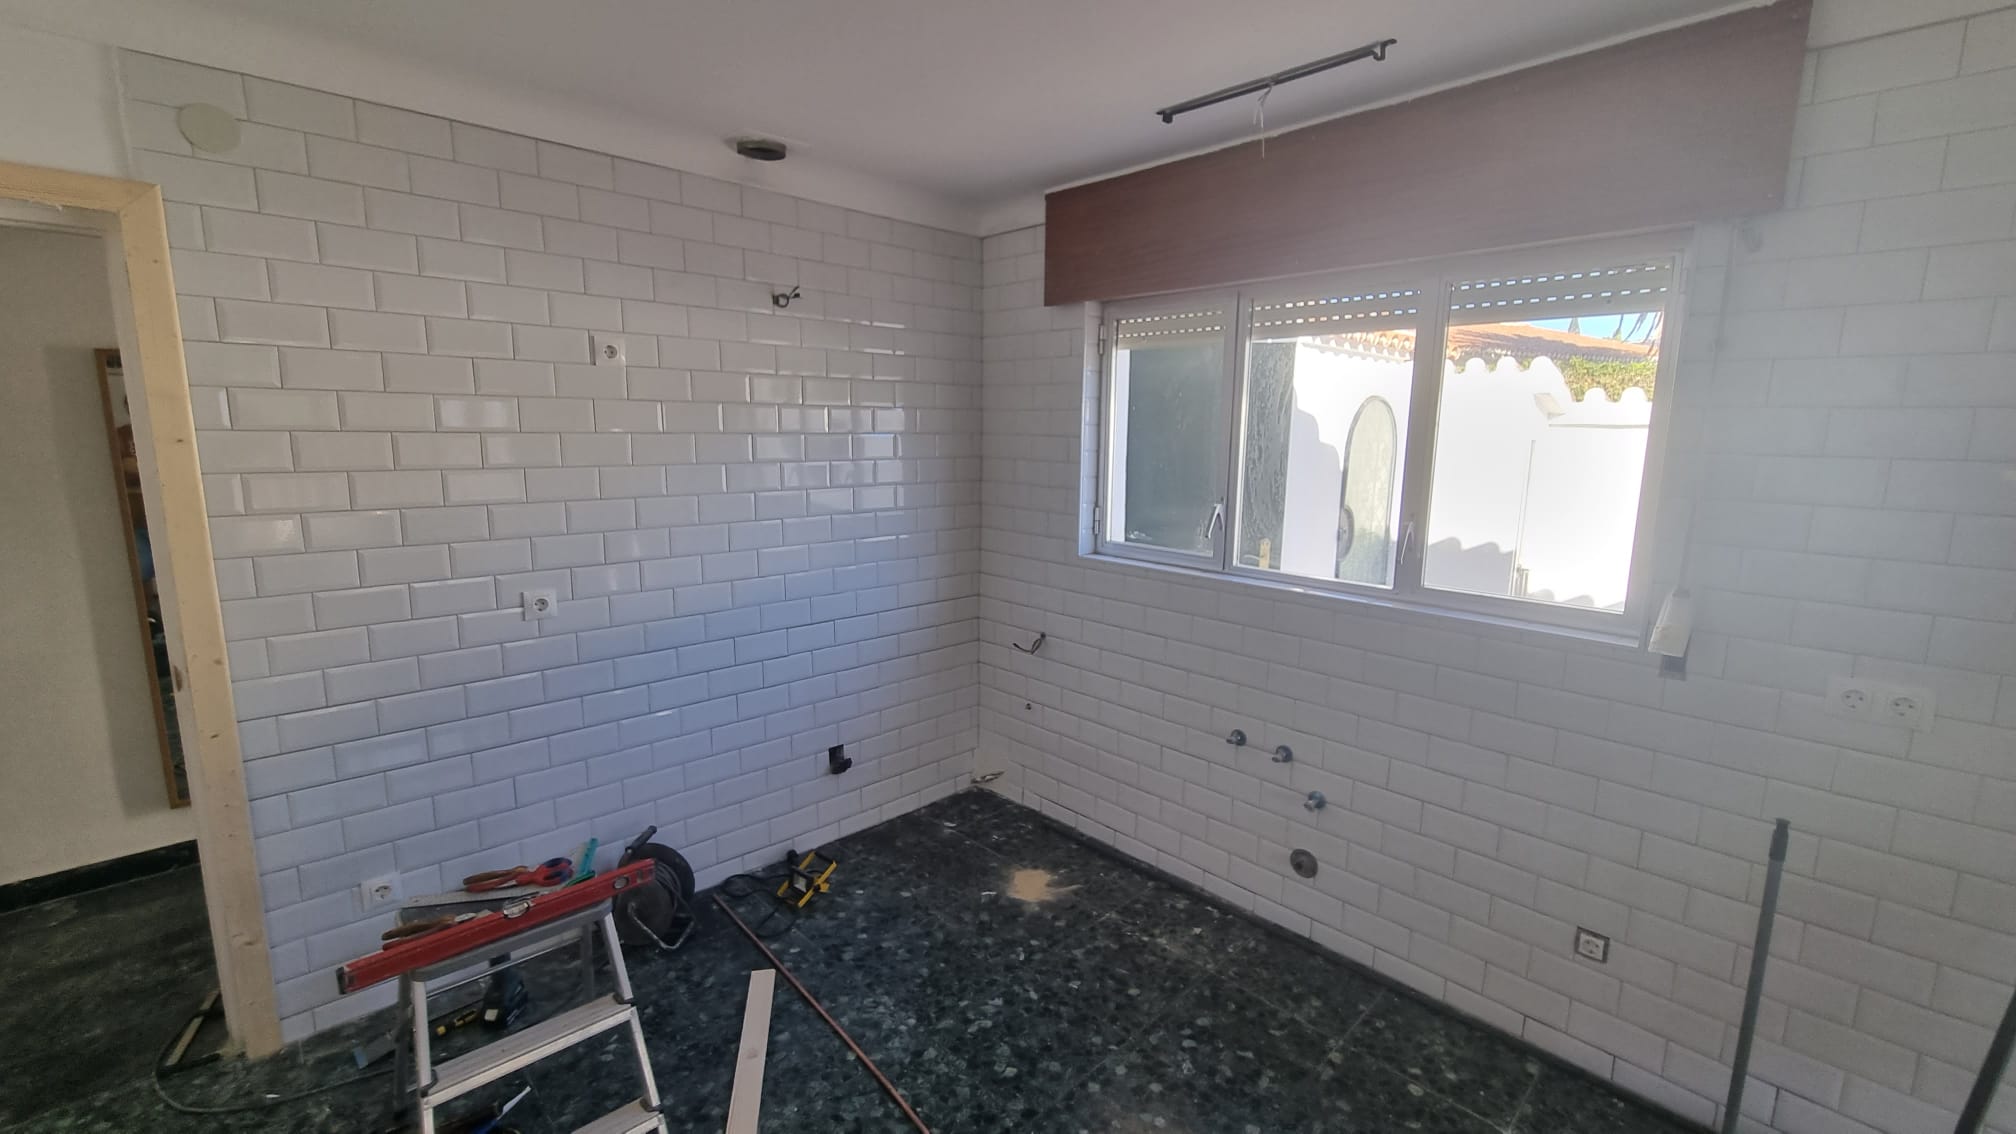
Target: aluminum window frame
{"points": [[1112, 418], [1435, 281], [1375, 280]]}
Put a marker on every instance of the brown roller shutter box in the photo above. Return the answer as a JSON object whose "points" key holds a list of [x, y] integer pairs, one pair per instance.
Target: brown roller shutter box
{"points": [[1688, 125]]}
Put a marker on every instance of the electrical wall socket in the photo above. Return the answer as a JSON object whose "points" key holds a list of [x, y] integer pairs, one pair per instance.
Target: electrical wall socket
{"points": [[608, 350], [1848, 697], [1905, 706], [1880, 702], [384, 890], [538, 604], [1592, 946]]}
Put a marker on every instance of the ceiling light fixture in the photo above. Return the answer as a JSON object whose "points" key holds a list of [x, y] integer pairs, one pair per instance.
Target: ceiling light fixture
{"points": [[1375, 50]]}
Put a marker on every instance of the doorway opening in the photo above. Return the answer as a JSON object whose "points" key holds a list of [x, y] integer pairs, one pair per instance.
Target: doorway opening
{"points": [[126, 844], [105, 924]]}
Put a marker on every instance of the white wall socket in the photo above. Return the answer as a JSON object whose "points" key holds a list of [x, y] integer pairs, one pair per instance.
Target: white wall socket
{"points": [[1848, 697], [1903, 706], [1592, 946], [608, 350], [384, 890], [538, 604]]}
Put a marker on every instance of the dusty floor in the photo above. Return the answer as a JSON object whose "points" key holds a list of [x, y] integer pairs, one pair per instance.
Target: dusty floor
{"points": [[1009, 978]]}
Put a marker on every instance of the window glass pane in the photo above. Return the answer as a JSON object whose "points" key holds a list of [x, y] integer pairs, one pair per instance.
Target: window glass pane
{"points": [[1540, 437], [1327, 383], [1166, 485]]}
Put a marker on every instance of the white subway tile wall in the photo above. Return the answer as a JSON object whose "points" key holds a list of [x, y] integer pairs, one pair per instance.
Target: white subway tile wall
{"points": [[763, 531], [1842, 487]]}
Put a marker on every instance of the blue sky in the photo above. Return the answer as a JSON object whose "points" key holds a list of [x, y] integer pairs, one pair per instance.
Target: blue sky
{"points": [[1595, 326]]}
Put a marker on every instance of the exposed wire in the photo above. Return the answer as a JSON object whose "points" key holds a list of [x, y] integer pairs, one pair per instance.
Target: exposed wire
{"points": [[266, 1102], [740, 886]]}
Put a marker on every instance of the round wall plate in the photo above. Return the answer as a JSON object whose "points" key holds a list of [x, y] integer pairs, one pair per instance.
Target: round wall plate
{"points": [[1303, 862], [208, 128]]}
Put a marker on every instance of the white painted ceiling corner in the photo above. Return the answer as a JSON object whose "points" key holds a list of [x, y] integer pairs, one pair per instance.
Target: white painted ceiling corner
{"points": [[197, 33], [952, 115]]}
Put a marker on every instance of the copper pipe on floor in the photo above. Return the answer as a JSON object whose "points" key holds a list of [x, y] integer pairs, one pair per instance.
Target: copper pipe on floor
{"points": [[792, 979]]}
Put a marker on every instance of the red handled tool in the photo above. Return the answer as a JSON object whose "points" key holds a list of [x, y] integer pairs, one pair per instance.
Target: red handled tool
{"points": [[406, 954], [552, 872]]}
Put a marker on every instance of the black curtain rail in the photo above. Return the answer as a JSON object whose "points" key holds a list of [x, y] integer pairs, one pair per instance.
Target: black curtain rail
{"points": [[1376, 50]]}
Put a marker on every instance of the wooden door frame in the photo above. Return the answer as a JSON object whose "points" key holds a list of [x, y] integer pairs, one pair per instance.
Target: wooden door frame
{"points": [[150, 342]]}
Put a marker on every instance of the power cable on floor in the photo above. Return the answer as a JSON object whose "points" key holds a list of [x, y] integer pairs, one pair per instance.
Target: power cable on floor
{"points": [[740, 886], [266, 1102]]}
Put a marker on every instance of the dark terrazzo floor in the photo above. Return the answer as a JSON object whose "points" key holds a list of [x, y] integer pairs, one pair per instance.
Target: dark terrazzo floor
{"points": [[92, 986], [1126, 1004]]}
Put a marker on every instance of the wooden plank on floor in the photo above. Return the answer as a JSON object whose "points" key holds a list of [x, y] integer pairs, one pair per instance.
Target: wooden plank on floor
{"points": [[747, 1096]]}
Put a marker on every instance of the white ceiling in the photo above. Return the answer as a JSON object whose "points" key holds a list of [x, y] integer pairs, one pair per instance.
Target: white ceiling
{"points": [[980, 103]]}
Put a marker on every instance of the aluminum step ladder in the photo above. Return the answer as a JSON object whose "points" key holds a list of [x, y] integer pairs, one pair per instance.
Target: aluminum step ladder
{"points": [[435, 1085]]}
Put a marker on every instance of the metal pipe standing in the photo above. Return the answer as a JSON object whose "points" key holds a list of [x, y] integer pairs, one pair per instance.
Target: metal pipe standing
{"points": [[1992, 1067], [1767, 912]]}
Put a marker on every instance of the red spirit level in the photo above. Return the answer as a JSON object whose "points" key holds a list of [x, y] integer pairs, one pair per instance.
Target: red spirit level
{"points": [[406, 954]]}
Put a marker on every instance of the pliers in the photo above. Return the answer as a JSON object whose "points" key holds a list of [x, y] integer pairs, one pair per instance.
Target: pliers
{"points": [[552, 872]]}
